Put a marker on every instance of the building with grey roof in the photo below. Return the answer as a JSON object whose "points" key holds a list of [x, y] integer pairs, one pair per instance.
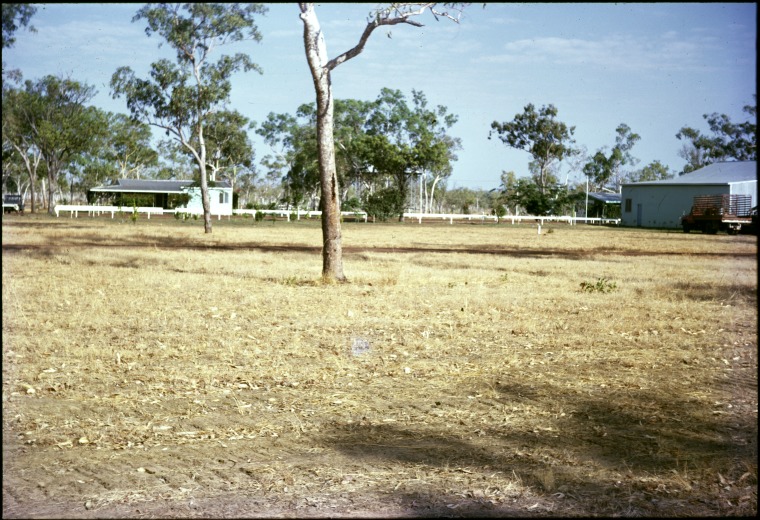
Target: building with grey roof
{"points": [[167, 194], [661, 204]]}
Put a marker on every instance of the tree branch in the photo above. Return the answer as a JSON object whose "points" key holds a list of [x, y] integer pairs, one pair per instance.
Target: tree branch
{"points": [[380, 20]]}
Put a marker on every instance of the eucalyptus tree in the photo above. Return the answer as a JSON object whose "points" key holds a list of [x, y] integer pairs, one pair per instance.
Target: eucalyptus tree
{"points": [[321, 66], [408, 141], [180, 97], [129, 146], [122, 150], [16, 16], [19, 146], [295, 160], [604, 169], [227, 135], [729, 140], [654, 171], [50, 121], [539, 133], [294, 143]]}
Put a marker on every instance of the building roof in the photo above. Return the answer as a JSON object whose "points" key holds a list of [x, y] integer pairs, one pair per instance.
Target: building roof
{"points": [[151, 186], [717, 173], [607, 198]]}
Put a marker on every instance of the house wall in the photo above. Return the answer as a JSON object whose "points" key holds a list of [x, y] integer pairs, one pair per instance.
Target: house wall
{"points": [[220, 199], [663, 205]]}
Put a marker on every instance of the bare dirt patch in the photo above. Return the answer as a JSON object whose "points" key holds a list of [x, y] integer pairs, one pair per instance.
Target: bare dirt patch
{"points": [[152, 371]]}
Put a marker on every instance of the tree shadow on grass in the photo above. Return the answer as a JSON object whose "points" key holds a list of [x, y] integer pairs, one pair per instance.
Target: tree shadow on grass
{"points": [[206, 243], [621, 454]]}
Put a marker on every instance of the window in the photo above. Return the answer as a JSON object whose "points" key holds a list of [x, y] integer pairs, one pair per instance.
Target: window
{"points": [[627, 205], [221, 197]]}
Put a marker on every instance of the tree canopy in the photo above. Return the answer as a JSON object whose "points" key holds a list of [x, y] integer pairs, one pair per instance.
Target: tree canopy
{"points": [[539, 133], [729, 140], [181, 97]]}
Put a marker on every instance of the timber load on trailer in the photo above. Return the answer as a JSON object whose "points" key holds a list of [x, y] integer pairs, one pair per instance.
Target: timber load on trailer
{"points": [[713, 213]]}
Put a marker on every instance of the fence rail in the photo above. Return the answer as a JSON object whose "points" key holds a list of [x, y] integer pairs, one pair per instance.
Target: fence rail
{"points": [[74, 211]]}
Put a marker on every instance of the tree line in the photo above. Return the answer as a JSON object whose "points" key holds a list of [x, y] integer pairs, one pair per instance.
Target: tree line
{"points": [[383, 156]]}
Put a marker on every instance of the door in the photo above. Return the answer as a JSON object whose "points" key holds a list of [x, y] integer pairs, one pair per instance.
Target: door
{"points": [[638, 215]]}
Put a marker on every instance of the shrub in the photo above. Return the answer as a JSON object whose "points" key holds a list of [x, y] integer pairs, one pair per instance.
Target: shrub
{"points": [[602, 285]]}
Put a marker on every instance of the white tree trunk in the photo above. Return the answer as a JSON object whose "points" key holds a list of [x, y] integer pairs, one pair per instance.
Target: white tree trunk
{"points": [[316, 56]]}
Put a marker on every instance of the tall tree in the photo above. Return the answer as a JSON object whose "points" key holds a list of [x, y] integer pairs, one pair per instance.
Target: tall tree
{"points": [[181, 97], [129, 146], [729, 141], [654, 171], [16, 16], [540, 134], [52, 119], [605, 169], [19, 144], [406, 141], [227, 138], [320, 66]]}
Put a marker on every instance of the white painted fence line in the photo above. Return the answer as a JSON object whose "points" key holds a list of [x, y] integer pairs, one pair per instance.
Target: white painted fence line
{"points": [[451, 217], [97, 210], [92, 211], [298, 213]]}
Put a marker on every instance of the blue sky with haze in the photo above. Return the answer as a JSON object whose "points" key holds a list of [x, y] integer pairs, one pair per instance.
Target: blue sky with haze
{"points": [[654, 66]]}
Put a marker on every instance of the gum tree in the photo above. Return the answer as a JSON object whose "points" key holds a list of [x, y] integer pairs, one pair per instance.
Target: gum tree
{"points": [[320, 66], [539, 133], [181, 97], [49, 121]]}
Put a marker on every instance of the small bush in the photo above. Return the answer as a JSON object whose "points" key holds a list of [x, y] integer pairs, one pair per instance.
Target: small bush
{"points": [[602, 285]]}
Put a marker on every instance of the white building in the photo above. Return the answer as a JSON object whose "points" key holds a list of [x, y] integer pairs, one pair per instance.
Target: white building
{"points": [[661, 204], [162, 194]]}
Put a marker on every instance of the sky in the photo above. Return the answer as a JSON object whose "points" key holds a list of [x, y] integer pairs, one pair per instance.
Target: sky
{"points": [[656, 67]]}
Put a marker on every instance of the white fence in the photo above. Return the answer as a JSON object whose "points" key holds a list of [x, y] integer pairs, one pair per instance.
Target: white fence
{"points": [[94, 211], [288, 214], [511, 218], [74, 211]]}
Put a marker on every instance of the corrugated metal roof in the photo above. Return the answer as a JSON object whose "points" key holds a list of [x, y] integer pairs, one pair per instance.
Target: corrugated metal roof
{"points": [[151, 186], [716, 173], [607, 198]]}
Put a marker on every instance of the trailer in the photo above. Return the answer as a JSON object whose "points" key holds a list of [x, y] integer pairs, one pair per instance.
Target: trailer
{"points": [[713, 213]]}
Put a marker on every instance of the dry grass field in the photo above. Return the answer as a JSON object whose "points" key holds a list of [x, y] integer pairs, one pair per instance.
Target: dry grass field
{"points": [[150, 370]]}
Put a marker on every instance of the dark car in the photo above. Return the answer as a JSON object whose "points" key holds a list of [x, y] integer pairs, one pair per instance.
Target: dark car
{"points": [[13, 202]]}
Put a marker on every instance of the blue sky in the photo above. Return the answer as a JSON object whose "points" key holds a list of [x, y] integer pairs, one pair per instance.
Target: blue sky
{"points": [[654, 66]]}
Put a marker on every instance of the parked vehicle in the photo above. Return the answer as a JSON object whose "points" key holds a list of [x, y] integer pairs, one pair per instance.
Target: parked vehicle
{"points": [[713, 213], [13, 202]]}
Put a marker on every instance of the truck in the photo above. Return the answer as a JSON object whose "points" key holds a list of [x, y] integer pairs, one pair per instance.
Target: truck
{"points": [[713, 213]]}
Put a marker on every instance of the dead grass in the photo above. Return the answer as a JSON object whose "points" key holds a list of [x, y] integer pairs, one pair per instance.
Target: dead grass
{"points": [[151, 370]]}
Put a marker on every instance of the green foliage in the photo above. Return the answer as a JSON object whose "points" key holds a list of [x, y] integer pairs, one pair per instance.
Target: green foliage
{"points": [[602, 285], [134, 214], [352, 204], [729, 141], [540, 134], [654, 171], [384, 204], [182, 98], [15, 16], [178, 200], [525, 193], [50, 118], [603, 169]]}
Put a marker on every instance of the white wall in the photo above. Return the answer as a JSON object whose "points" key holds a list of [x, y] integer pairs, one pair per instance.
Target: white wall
{"points": [[220, 199]]}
